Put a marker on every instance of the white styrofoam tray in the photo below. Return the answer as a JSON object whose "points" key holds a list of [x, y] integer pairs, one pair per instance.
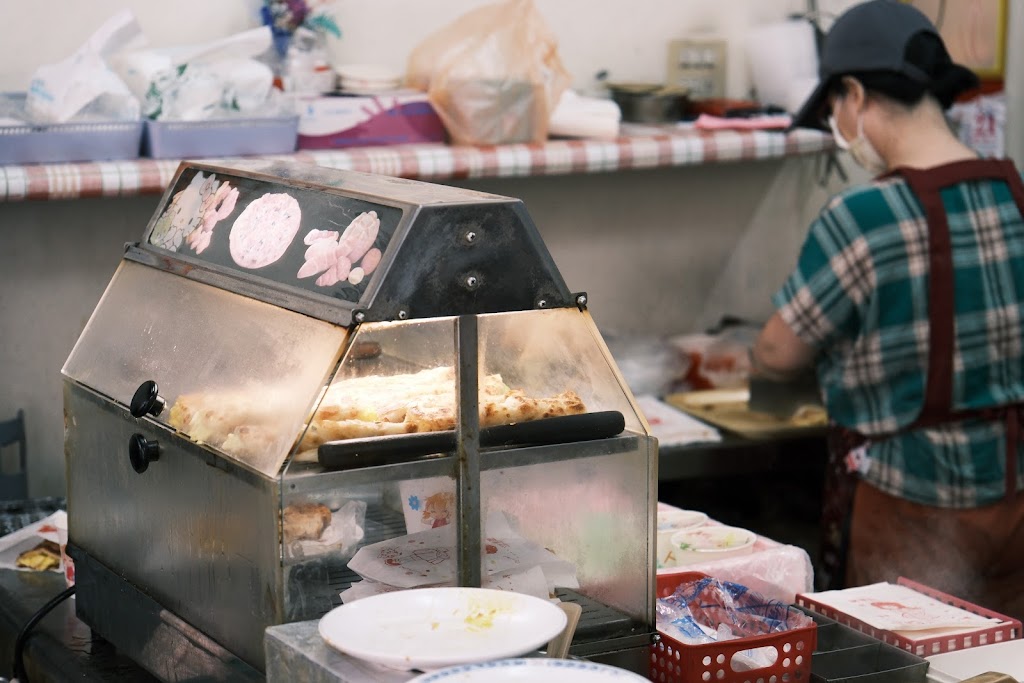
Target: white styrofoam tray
{"points": [[1005, 658]]}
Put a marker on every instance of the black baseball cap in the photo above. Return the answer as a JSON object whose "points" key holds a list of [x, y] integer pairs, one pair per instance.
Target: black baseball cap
{"points": [[870, 37]]}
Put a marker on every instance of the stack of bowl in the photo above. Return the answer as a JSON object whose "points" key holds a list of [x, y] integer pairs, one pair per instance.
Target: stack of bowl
{"points": [[711, 542], [670, 522], [367, 79]]}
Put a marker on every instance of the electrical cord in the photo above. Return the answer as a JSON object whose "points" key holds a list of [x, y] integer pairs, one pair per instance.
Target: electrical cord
{"points": [[20, 674]]}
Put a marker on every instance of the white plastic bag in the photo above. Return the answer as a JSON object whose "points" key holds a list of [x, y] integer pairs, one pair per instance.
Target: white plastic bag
{"points": [[493, 76], [206, 81], [59, 91]]}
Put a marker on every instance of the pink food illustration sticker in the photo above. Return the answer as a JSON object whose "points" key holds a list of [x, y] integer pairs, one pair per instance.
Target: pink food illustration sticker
{"points": [[195, 209], [349, 255], [261, 234], [215, 208]]}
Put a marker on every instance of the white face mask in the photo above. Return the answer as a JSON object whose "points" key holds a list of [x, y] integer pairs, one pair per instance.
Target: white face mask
{"points": [[861, 149]]}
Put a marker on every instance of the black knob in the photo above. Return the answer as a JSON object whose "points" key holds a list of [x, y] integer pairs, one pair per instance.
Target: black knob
{"points": [[142, 451], [147, 400]]}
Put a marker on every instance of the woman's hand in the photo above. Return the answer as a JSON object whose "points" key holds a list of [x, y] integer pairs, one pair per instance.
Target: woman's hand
{"points": [[778, 354]]}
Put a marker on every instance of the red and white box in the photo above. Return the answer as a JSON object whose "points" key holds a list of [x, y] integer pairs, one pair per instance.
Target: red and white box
{"points": [[899, 613], [393, 118]]}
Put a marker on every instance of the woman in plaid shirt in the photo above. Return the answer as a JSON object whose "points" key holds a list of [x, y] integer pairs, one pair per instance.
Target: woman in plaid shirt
{"points": [[908, 298]]}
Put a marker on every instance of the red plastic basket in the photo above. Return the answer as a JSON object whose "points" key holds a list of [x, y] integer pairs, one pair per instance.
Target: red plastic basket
{"points": [[675, 662]]}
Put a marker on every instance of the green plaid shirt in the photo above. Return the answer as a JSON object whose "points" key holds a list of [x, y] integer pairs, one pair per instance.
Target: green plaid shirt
{"points": [[859, 295]]}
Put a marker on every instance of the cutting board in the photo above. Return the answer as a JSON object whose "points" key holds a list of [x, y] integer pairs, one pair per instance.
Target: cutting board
{"points": [[729, 409]]}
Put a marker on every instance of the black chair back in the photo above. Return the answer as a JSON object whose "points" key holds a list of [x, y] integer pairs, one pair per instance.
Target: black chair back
{"points": [[13, 485]]}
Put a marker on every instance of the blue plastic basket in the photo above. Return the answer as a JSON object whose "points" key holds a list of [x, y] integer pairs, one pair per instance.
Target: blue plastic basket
{"points": [[67, 142], [220, 137], [93, 138]]}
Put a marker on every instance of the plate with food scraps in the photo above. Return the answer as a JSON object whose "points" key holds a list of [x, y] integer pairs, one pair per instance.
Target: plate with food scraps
{"points": [[537, 670], [433, 628]]}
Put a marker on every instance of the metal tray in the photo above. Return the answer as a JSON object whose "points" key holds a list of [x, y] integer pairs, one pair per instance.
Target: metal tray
{"points": [[835, 636], [878, 663]]}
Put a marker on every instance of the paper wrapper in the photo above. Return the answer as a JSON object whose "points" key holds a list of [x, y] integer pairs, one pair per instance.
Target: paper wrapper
{"points": [[893, 607], [26, 538], [339, 538], [428, 558], [532, 581]]}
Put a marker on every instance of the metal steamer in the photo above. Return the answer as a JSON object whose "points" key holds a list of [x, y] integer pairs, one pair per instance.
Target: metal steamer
{"points": [[195, 403]]}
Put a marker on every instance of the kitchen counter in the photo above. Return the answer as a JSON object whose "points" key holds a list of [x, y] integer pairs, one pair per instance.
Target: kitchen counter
{"points": [[61, 647], [737, 455], [640, 147]]}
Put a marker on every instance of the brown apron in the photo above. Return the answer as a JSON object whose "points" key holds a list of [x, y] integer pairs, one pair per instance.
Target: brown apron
{"points": [[936, 409]]}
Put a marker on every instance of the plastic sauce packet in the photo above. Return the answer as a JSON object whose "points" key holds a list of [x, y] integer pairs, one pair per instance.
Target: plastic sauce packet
{"points": [[688, 631]]}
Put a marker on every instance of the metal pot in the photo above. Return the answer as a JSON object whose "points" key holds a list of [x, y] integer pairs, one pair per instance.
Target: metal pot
{"points": [[650, 102]]}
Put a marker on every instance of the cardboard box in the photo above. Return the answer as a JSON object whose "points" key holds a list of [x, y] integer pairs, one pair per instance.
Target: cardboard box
{"points": [[394, 118]]}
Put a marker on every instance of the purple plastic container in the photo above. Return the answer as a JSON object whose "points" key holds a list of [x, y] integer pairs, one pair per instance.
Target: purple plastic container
{"points": [[220, 137], [68, 142]]}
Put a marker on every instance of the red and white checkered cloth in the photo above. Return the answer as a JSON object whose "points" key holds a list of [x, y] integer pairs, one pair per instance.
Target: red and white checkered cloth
{"points": [[650, 148]]}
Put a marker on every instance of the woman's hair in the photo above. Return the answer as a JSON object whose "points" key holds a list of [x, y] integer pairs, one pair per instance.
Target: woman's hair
{"points": [[927, 52]]}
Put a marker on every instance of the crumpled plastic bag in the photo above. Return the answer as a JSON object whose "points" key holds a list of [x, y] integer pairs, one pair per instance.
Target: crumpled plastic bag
{"points": [[57, 92], [493, 75], [219, 79], [713, 603]]}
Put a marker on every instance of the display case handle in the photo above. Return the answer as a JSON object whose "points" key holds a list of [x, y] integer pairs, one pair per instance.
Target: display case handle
{"points": [[399, 448], [142, 451], [147, 400]]}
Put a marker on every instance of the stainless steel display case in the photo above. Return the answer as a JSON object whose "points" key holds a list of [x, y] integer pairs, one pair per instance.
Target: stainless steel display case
{"points": [[291, 338]]}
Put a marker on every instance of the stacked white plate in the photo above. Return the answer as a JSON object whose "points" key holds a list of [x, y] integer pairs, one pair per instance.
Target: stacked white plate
{"points": [[368, 79]]}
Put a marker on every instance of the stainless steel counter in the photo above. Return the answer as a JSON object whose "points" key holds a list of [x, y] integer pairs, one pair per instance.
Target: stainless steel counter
{"points": [[297, 654], [61, 647]]}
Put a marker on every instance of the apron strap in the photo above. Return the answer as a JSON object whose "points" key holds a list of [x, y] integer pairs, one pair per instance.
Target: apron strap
{"points": [[927, 186], [938, 395]]}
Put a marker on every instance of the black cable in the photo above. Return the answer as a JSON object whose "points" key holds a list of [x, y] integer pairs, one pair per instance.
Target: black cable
{"points": [[19, 644]]}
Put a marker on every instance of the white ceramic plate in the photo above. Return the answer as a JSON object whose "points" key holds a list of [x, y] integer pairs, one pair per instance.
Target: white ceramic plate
{"points": [[431, 628], [534, 670]]}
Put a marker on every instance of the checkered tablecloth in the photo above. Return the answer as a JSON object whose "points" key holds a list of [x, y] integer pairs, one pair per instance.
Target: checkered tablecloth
{"points": [[638, 148]]}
